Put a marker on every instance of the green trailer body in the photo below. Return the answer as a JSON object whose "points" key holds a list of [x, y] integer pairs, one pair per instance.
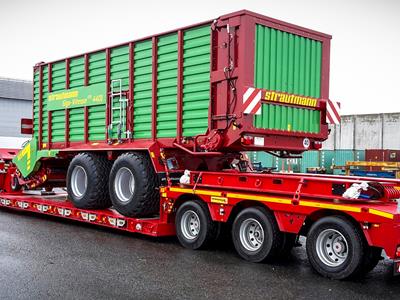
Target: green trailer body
{"points": [[186, 87]]}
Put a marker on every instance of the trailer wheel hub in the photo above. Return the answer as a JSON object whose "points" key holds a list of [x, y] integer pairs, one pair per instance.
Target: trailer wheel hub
{"points": [[124, 184], [79, 181], [251, 234], [332, 247], [190, 225]]}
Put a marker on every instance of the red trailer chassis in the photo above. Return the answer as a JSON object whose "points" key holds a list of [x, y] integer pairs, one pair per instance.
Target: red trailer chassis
{"points": [[296, 200]]}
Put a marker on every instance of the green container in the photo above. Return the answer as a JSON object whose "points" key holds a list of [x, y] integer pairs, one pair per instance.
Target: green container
{"points": [[310, 159], [280, 164], [340, 159], [327, 160]]}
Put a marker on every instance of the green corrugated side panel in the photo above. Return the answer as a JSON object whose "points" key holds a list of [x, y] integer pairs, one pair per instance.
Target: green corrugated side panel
{"points": [[142, 89], [288, 63], [196, 80], [58, 126], [76, 115], [76, 72], [76, 124], [58, 76], [97, 122], [45, 93], [97, 114], [119, 70], [310, 159], [167, 68], [97, 67], [36, 104], [282, 117]]}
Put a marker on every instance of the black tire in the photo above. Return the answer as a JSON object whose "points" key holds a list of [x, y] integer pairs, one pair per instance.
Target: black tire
{"points": [[338, 258], [96, 169], [371, 258], [194, 227], [288, 242], [143, 198], [246, 234]]}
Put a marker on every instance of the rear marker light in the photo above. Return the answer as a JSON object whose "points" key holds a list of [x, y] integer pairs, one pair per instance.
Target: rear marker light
{"points": [[5, 202], [88, 217], [116, 222], [64, 212], [247, 140], [42, 208], [317, 145], [398, 251], [23, 205]]}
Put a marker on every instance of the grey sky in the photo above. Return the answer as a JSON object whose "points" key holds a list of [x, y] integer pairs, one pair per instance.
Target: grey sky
{"points": [[365, 53]]}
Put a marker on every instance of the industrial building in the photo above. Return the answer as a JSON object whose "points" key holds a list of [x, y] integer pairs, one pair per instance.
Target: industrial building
{"points": [[15, 103], [371, 131]]}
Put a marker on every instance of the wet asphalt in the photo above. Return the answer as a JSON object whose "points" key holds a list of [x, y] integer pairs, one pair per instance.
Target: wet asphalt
{"points": [[44, 257]]}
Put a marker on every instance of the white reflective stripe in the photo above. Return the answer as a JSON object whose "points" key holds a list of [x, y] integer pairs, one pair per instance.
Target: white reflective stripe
{"points": [[336, 106], [253, 103], [247, 94], [332, 114], [258, 112]]}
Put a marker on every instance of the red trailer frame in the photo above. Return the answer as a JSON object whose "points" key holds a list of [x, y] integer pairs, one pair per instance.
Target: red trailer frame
{"points": [[296, 201]]}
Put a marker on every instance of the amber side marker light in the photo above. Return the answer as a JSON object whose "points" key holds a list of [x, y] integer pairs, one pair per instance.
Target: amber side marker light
{"points": [[398, 251]]}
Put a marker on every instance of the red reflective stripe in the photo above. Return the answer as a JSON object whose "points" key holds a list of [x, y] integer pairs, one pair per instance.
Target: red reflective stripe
{"points": [[256, 108], [249, 100], [329, 118]]}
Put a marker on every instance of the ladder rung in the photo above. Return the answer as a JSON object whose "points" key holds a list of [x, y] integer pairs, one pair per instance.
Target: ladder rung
{"points": [[116, 108]]}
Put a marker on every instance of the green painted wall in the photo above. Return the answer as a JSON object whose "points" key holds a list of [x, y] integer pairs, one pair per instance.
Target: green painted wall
{"points": [[287, 63]]}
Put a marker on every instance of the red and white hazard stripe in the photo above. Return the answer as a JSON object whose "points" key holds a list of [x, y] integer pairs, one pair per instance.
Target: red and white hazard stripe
{"points": [[252, 101], [332, 112]]}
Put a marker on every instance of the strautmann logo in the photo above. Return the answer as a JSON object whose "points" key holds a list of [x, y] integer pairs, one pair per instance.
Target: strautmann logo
{"points": [[290, 99]]}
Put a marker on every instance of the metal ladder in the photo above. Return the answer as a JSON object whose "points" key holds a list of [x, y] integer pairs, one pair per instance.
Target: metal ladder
{"points": [[121, 105]]}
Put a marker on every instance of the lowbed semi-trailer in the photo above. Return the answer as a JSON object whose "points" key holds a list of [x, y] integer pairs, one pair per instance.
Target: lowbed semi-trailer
{"points": [[119, 126]]}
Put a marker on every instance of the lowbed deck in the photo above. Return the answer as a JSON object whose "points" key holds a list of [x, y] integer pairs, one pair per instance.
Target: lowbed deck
{"points": [[58, 205]]}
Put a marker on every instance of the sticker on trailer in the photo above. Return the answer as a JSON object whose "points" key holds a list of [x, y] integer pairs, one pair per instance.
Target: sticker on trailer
{"points": [[220, 200], [258, 141], [252, 101], [332, 112], [306, 143]]}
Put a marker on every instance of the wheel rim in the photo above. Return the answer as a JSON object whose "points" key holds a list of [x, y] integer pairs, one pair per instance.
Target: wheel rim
{"points": [[79, 182], [124, 184], [251, 234], [332, 247], [190, 225]]}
